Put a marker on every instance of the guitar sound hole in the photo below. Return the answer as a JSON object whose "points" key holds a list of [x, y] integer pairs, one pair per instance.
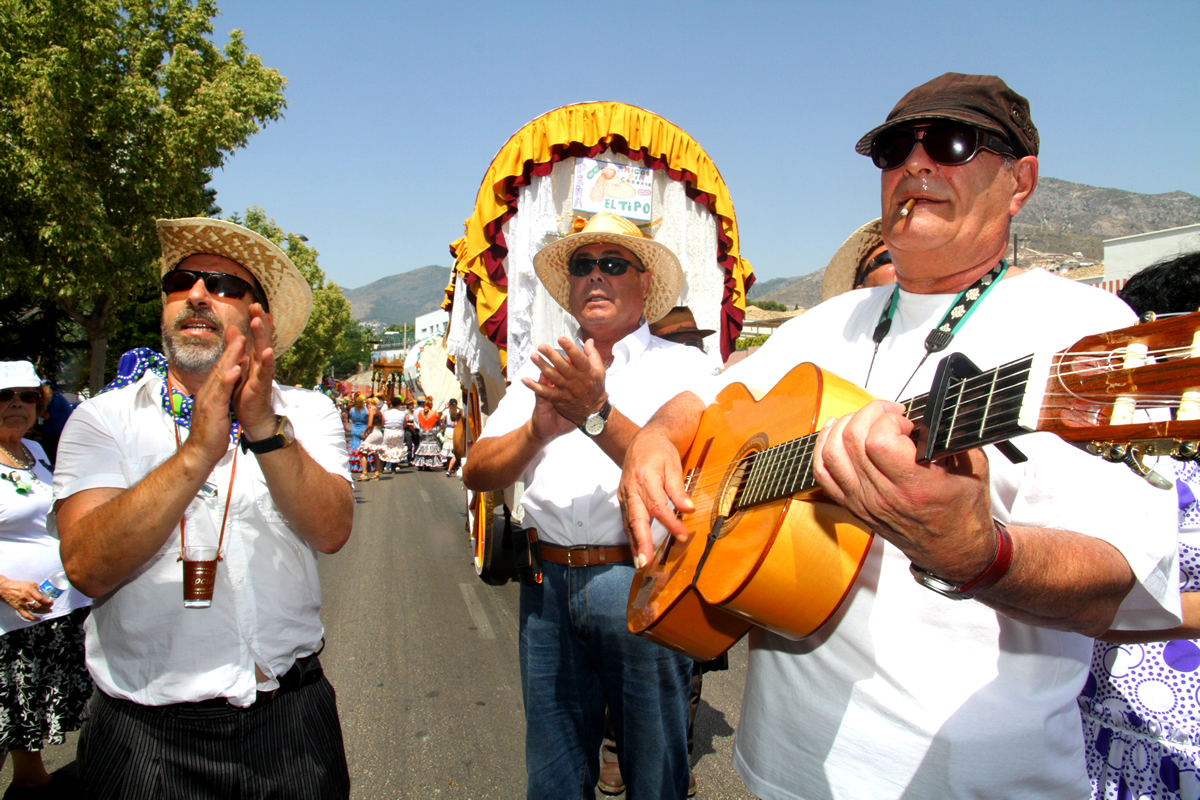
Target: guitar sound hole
{"points": [[731, 486]]}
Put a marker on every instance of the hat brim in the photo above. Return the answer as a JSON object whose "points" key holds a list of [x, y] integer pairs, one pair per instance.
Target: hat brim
{"points": [[550, 263], [839, 274], [288, 293], [971, 118]]}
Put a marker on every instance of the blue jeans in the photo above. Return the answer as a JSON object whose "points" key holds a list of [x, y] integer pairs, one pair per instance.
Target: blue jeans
{"points": [[577, 655]]}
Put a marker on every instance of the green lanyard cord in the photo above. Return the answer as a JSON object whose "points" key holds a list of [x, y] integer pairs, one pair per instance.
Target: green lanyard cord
{"points": [[943, 333]]}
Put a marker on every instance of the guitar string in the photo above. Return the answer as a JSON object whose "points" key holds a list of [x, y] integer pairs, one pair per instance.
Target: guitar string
{"points": [[789, 455], [986, 386]]}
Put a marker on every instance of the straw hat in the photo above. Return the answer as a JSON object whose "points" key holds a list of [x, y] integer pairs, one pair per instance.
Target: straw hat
{"points": [[288, 293], [659, 261], [839, 275]]}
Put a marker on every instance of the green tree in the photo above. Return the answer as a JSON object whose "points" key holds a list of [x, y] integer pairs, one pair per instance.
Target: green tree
{"points": [[354, 349], [113, 113], [305, 361]]}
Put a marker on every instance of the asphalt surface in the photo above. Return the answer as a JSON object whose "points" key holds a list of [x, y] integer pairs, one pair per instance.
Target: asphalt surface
{"points": [[424, 659]]}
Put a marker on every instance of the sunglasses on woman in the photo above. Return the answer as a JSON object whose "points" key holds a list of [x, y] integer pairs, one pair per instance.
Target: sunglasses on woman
{"points": [[218, 284], [28, 396], [609, 265], [947, 143]]}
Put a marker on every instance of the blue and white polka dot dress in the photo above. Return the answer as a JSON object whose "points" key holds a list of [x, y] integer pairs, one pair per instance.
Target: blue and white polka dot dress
{"points": [[1141, 703]]}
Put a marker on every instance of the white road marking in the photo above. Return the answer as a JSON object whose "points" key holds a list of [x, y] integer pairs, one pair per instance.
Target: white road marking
{"points": [[475, 608], [424, 495]]}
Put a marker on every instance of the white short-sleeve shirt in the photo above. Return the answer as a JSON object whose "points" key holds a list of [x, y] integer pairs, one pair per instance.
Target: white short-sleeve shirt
{"points": [[142, 644], [909, 694], [571, 486]]}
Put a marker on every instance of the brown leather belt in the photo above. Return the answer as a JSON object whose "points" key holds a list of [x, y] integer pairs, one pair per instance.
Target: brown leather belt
{"points": [[585, 555]]}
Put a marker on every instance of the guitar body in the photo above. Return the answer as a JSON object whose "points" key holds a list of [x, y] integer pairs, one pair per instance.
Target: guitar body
{"points": [[766, 549], [785, 565]]}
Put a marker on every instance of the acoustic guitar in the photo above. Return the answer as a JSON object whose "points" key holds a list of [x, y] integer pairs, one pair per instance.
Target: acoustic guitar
{"points": [[766, 548]]}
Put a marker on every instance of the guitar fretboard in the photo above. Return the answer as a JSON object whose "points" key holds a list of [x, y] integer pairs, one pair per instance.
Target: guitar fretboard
{"points": [[979, 410]]}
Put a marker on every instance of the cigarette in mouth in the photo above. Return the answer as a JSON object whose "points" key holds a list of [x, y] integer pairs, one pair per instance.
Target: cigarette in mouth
{"points": [[908, 207]]}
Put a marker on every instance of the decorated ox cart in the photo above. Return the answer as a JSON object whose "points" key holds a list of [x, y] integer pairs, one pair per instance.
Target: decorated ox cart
{"points": [[551, 176]]}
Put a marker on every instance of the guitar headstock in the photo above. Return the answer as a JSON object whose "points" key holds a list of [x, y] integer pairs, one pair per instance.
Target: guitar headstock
{"points": [[1095, 387]]}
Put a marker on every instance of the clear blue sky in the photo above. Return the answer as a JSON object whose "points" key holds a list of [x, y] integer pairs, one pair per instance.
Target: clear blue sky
{"points": [[395, 109]]}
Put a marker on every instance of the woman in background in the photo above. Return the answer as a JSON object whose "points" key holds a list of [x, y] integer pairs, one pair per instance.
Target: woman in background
{"points": [[429, 451], [44, 683], [371, 448]]}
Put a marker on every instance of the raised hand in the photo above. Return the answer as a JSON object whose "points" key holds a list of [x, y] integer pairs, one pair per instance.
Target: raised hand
{"points": [[252, 403], [547, 422], [209, 432], [572, 381]]}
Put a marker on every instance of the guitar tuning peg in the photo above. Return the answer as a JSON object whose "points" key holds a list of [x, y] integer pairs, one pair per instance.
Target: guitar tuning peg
{"points": [[1133, 460]]}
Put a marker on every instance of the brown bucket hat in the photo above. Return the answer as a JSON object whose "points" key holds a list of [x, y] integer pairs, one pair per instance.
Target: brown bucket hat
{"points": [[984, 101]]}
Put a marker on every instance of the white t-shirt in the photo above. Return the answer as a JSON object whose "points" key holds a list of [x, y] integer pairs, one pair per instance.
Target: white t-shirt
{"points": [[27, 552], [571, 486], [909, 694], [142, 644]]}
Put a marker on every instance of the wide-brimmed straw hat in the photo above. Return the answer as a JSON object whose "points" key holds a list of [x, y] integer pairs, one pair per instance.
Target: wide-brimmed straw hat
{"points": [[839, 274], [551, 262], [288, 293]]}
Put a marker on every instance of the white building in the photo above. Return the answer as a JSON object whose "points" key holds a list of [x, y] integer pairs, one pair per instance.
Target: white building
{"points": [[432, 325], [392, 346], [1127, 255]]}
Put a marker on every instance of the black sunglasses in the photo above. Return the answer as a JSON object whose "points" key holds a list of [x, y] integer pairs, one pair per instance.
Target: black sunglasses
{"points": [[579, 267], [30, 396], [866, 268], [948, 143], [220, 284]]}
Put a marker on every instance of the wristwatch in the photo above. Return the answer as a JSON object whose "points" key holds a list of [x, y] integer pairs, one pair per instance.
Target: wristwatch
{"points": [[283, 437], [991, 574], [594, 424]]}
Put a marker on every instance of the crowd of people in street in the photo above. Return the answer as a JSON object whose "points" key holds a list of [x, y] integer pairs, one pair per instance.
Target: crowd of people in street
{"points": [[383, 435], [1023, 624]]}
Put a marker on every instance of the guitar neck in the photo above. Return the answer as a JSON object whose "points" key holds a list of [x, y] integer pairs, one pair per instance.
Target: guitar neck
{"points": [[991, 407]]}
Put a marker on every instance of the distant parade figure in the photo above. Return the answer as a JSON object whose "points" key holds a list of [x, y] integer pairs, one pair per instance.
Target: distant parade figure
{"points": [[395, 451], [429, 451]]}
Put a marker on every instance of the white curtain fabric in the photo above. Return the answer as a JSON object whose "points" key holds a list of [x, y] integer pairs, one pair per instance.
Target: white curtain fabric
{"points": [[544, 213]]}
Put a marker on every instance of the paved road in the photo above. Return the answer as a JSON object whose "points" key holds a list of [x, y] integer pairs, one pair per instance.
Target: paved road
{"points": [[424, 658]]}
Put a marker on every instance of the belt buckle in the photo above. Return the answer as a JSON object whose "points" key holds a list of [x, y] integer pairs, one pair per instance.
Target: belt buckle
{"points": [[582, 549]]}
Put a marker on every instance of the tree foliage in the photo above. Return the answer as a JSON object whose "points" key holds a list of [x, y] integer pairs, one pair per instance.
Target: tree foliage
{"points": [[305, 361], [355, 351], [113, 113]]}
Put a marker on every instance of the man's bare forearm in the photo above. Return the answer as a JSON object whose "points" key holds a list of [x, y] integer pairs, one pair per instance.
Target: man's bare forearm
{"points": [[497, 462], [318, 505], [1062, 580], [108, 534]]}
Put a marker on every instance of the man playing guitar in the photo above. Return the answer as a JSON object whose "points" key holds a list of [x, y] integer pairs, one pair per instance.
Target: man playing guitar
{"points": [[903, 692]]}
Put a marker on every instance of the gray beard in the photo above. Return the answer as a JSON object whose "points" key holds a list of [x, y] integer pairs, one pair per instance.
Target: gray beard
{"points": [[193, 356]]}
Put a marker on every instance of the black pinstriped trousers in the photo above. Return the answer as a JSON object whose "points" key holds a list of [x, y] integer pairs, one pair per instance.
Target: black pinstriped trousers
{"points": [[289, 747]]}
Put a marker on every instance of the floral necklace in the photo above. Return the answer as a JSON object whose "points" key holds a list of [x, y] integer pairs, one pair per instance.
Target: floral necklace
{"points": [[24, 484]]}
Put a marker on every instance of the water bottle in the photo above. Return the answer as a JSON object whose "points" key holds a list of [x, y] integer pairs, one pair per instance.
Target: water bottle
{"points": [[55, 585]]}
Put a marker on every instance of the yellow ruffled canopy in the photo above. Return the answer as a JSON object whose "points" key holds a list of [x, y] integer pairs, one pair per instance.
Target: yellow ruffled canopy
{"points": [[587, 129]]}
